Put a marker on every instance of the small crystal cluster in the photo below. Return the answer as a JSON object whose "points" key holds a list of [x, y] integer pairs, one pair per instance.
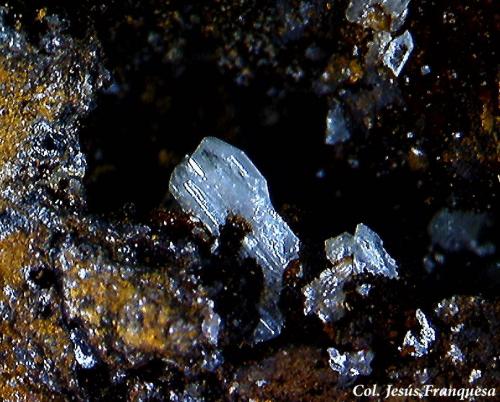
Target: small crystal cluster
{"points": [[350, 365], [397, 53], [360, 255], [393, 51], [388, 47]]}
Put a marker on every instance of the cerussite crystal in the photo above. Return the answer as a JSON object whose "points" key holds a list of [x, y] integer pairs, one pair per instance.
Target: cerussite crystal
{"points": [[219, 179]]}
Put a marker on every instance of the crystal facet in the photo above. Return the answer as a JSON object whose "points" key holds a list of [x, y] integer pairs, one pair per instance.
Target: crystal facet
{"points": [[398, 52], [370, 255], [455, 231]]}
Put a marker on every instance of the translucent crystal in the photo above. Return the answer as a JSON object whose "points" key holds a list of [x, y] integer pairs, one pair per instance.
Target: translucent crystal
{"points": [[377, 48], [211, 324], [420, 343], [364, 289], [398, 52], [350, 365], [336, 126], [424, 70], [219, 179]]}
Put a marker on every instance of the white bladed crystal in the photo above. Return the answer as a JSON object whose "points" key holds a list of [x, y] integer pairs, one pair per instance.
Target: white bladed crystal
{"points": [[219, 179]]}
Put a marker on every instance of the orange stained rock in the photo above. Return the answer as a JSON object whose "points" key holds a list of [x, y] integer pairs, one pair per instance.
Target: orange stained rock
{"points": [[41, 338]]}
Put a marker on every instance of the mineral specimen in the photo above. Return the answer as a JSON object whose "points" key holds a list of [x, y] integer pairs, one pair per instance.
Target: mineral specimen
{"points": [[108, 291], [219, 179], [369, 254], [367, 250]]}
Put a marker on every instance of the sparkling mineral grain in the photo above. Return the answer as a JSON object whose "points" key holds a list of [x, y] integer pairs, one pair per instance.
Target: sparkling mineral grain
{"points": [[420, 344], [350, 365], [219, 179], [336, 126], [325, 296]]}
